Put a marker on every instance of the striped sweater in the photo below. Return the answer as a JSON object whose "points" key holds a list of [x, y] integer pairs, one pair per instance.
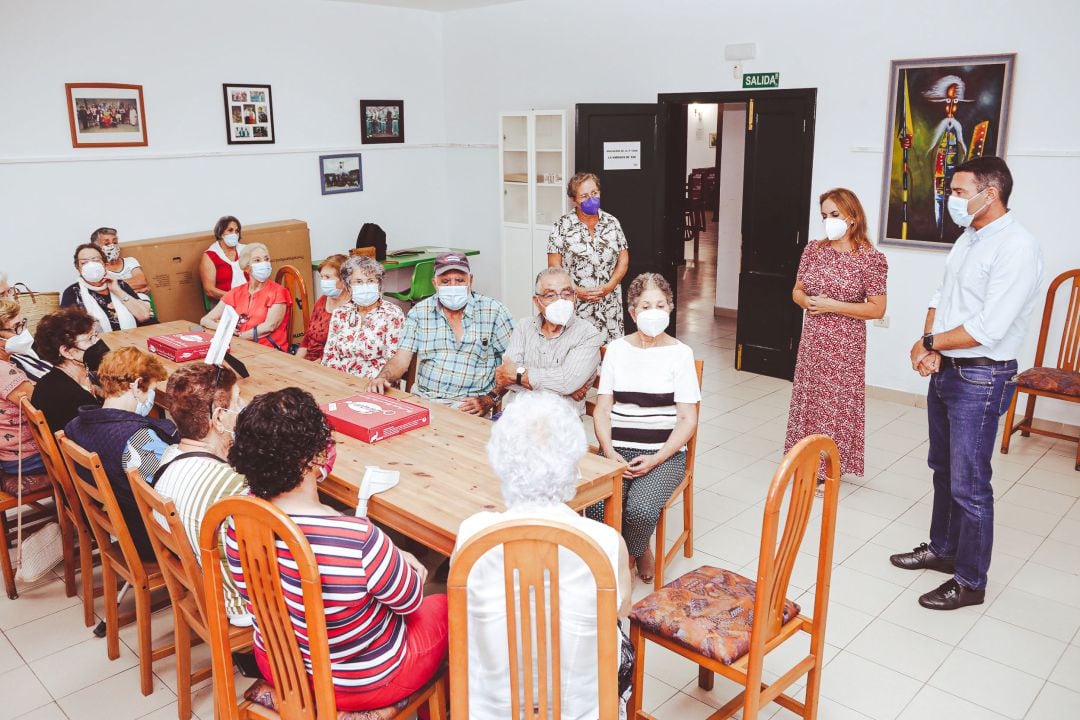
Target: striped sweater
{"points": [[367, 589]]}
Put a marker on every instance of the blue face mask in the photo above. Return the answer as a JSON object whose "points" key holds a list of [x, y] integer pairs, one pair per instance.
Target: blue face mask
{"points": [[590, 206], [454, 297], [366, 294], [144, 407], [329, 287]]}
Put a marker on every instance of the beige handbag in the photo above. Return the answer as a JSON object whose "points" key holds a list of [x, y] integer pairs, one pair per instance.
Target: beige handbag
{"points": [[35, 306], [43, 550]]}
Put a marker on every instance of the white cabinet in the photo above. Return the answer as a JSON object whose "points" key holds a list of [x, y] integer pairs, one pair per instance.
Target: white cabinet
{"points": [[532, 170]]}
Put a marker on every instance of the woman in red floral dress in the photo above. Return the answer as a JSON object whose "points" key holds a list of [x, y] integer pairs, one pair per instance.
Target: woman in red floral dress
{"points": [[841, 285]]}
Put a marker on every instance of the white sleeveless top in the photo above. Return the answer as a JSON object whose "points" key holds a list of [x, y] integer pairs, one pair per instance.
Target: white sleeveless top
{"points": [[125, 272]]}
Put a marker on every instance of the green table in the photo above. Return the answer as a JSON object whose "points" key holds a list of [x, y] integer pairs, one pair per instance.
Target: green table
{"points": [[422, 254]]}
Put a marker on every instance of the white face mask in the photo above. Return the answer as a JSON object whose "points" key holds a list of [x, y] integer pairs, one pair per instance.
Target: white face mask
{"points": [[93, 272], [20, 344], [559, 312], [112, 252], [145, 406], [329, 288], [365, 294], [260, 271], [835, 228], [232, 239], [652, 322], [958, 209], [454, 297]]}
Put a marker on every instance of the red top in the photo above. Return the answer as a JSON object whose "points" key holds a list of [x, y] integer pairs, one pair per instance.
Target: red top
{"points": [[223, 270], [317, 331], [254, 308]]}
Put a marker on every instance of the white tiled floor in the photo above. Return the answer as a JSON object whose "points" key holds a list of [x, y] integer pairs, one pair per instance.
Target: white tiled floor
{"points": [[1016, 656]]}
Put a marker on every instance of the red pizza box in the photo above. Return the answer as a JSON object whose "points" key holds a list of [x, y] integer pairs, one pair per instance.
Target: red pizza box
{"points": [[181, 347], [371, 417]]}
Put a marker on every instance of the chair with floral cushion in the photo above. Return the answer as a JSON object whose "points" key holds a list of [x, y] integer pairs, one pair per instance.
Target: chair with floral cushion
{"points": [[260, 528], [1061, 381], [727, 623]]}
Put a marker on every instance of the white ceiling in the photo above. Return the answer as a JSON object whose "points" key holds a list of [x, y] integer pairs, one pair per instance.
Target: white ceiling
{"points": [[434, 5]]}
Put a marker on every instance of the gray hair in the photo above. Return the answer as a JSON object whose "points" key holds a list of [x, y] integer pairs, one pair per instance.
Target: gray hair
{"points": [[363, 266], [550, 271], [535, 448], [248, 250], [647, 281]]}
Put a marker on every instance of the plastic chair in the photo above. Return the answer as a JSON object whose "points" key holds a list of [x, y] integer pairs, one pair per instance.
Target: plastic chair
{"points": [[531, 560], [422, 285], [727, 624], [184, 579], [1061, 381], [259, 526]]}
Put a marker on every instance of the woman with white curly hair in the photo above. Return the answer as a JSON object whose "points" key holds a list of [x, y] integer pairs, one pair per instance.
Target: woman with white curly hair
{"points": [[535, 449], [364, 332]]}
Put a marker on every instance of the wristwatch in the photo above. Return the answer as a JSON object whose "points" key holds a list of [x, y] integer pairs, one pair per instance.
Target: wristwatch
{"points": [[494, 396], [928, 341], [520, 371]]}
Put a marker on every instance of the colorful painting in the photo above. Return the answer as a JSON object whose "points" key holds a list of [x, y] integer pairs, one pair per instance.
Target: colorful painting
{"points": [[942, 113]]}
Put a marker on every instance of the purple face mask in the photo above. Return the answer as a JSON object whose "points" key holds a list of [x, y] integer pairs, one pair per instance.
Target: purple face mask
{"points": [[590, 206]]}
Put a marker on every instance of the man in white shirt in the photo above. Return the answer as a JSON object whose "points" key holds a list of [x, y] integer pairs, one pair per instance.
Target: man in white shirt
{"points": [[974, 330]]}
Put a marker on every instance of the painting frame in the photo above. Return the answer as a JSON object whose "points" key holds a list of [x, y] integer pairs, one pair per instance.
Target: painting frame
{"points": [[249, 114], [336, 185], [370, 135], [129, 97], [975, 93]]}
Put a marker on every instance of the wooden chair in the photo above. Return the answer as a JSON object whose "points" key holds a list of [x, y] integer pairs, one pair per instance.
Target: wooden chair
{"points": [[685, 490], [291, 279], [259, 526], [1061, 381], [73, 527], [118, 557], [184, 580], [531, 561], [35, 515], [362, 252], [727, 624]]}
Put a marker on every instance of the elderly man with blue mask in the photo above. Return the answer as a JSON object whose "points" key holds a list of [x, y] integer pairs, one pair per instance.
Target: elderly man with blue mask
{"points": [[458, 337]]}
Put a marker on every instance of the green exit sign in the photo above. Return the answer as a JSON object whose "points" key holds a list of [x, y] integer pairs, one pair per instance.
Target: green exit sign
{"points": [[761, 80]]}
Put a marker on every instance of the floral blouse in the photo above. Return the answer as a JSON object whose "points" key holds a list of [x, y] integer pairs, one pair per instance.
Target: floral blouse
{"points": [[317, 331], [362, 347]]}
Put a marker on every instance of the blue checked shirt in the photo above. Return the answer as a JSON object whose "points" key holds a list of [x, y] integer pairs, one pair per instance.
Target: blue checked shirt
{"points": [[447, 369]]}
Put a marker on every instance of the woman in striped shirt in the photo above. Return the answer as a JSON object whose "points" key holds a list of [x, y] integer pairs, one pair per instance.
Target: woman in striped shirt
{"points": [[646, 411], [386, 639]]}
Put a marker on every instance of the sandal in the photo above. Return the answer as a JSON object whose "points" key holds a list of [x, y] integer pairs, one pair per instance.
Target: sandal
{"points": [[819, 491], [646, 565]]}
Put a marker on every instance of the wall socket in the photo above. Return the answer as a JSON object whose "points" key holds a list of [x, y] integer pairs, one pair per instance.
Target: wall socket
{"points": [[882, 322]]}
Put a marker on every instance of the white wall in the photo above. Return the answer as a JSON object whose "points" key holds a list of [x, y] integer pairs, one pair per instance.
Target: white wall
{"points": [[729, 219], [698, 127], [555, 53]]}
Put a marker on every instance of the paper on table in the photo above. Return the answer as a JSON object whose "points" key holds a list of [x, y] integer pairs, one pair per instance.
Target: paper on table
{"points": [[376, 480], [222, 336]]}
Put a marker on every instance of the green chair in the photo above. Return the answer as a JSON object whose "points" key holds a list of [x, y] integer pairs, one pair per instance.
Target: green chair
{"points": [[422, 285]]}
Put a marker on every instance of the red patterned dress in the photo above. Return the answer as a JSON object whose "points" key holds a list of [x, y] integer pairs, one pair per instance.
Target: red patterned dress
{"points": [[829, 394]]}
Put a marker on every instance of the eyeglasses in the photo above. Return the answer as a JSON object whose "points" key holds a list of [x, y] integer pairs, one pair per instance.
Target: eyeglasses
{"points": [[585, 196], [551, 296], [19, 327]]}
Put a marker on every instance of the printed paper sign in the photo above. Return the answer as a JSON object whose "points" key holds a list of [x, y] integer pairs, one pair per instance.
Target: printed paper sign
{"points": [[622, 155]]}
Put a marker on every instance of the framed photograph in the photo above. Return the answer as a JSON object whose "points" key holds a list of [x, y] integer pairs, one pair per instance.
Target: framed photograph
{"points": [[340, 174], [712, 140], [382, 121], [249, 114], [106, 115], [942, 112]]}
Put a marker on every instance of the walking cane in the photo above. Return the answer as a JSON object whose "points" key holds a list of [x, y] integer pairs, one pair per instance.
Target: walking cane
{"points": [[99, 631]]}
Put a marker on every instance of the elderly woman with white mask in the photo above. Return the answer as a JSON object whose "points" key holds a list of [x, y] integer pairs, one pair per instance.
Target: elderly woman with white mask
{"points": [[646, 411], [262, 304], [535, 449], [366, 330], [112, 303]]}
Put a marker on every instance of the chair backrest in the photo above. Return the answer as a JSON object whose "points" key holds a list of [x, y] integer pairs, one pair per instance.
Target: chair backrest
{"points": [[423, 281], [99, 502], [259, 526], [63, 490], [291, 279], [531, 559], [1069, 350], [799, 471], [176, 559], [362, 252]]}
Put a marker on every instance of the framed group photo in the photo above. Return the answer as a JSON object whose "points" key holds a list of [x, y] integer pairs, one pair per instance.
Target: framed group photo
{"points": [[942, 112], [249, 114], [382, 121], [340, 174], [106, 115]]}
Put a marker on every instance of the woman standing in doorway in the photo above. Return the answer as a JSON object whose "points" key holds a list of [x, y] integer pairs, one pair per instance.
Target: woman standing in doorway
{"points": [[590, 244], [841, 284]]}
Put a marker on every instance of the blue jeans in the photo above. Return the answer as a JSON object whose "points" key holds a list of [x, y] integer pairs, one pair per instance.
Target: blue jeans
{"points": [[964, 406]]}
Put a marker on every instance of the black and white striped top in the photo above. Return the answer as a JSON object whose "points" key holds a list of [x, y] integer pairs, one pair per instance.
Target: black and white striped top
{"points": [[646, 385]]}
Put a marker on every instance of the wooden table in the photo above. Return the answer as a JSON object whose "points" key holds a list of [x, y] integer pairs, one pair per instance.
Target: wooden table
{"points": [[445, 476]]}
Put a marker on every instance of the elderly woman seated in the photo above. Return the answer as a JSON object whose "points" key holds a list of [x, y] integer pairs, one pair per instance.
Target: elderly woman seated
{"points": [[334, 295], [386, 639], [64, 339], [112, 303], [117, 265], [262, 304], [122, 433], [535, 449], [366, 331], [17, 449]]}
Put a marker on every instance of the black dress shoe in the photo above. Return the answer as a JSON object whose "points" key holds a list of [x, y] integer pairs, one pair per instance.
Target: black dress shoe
{"points": [[950, 596], [921, 558]]}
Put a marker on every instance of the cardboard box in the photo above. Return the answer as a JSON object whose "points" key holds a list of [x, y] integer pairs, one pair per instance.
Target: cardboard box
{"points": [[171, 265], [181, 347], [371, 417]]}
